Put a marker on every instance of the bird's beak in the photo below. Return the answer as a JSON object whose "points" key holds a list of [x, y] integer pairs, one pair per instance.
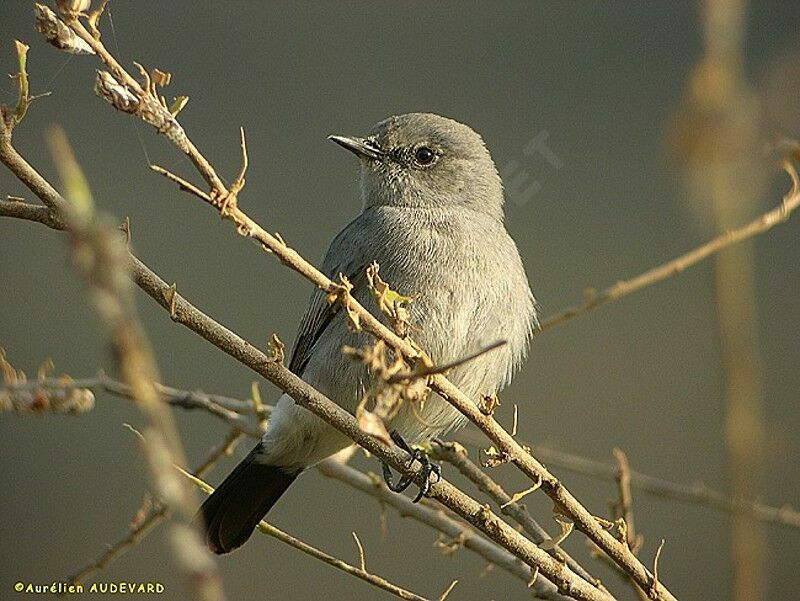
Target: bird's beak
{"points": [[362, 147]]}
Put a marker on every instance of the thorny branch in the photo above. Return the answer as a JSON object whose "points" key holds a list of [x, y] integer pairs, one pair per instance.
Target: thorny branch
{"points": [[454, 454], [186, 314], [225, 201], [33, 396], [699, 494], [456, 531], [657, 274], [147, 106]]}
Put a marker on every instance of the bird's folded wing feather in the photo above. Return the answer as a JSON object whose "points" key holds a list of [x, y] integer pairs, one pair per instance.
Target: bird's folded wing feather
{"points": [[320, 313]]}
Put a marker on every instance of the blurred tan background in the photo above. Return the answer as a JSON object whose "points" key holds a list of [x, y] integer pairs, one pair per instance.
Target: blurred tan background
{"points": [[598, 85]]}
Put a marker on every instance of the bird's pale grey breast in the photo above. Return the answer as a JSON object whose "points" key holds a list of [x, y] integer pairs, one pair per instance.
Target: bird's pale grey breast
{"points": [[469, 288]]}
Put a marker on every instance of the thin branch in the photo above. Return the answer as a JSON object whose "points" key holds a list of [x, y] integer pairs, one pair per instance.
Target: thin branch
{"points": [[225, 201], [450, 452], [455, 530], [183, 184], [428, 370], [361, 573], [225, 408], [186, 314], [447, 591], [362, 562], [625, 503], [697, 494], [652, 276], [623, 511], [30, 212]]}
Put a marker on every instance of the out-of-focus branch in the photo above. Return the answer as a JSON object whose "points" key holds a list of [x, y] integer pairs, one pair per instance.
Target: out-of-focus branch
{"points": [[358, 572], [652, 276], [726, 179], [128, 96], [31, 393], [100, 257], [150, 514], [22, 396]]}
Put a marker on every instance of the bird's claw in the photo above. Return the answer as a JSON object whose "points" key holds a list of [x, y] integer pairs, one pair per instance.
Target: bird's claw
{"points": [[426, 471]]}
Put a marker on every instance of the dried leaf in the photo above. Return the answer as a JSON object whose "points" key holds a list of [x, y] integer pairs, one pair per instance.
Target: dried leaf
{"points": [[276, 348], [73, 6], [341, 292], [488, 404], [159, 77], [391, 303], [494, 457]]}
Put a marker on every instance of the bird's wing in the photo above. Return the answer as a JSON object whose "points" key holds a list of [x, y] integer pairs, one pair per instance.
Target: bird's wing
{"points": [[342, 258]]}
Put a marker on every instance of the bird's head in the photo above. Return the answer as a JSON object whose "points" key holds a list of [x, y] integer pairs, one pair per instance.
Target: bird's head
{"points": [[422, 160]]}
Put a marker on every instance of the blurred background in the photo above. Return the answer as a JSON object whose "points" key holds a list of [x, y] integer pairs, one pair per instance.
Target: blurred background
{"points": [[596, 116]]}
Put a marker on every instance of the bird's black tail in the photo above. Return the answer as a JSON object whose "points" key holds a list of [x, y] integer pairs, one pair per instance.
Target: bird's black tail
{"points": [[233, 510]]}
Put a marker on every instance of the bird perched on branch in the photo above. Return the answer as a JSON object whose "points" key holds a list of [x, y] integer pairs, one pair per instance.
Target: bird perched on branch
{"points": [[432, 218]]}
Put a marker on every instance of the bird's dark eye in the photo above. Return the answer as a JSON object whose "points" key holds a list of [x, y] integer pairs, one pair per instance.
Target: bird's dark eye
{"points": [[424, 155]]}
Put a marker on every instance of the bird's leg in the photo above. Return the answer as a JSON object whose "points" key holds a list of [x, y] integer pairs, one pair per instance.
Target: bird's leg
{"points": [[426, 471]]}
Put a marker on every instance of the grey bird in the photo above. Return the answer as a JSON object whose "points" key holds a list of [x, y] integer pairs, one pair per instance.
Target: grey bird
{"points": [[432, 217]]}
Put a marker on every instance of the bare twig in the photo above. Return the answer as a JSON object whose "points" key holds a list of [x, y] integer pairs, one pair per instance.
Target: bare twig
{"points": [[228, 409], [363, 574], [451, 453], [652, 276], [428, 370], [625, 504], [361, 560], [11, 116], [654, 586], [225, 201], [698, 494], [623, 512], [447, 591]]}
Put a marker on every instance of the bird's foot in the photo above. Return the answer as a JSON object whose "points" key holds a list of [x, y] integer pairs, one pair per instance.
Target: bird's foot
{"points": [[424, 475]]}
